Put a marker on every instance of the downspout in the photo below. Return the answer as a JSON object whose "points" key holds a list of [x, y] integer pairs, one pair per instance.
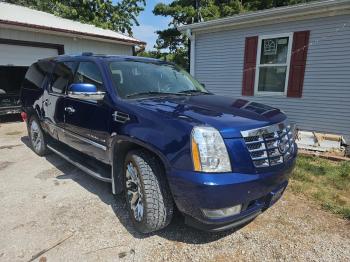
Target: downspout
{"points": [[192, 42], [188, 54]]}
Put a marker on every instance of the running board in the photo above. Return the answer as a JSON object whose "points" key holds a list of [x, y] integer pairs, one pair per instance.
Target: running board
{"points": [[97, 169]]}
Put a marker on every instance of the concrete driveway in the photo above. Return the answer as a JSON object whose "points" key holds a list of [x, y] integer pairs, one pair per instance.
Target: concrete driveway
{"points": [[51, 211]]}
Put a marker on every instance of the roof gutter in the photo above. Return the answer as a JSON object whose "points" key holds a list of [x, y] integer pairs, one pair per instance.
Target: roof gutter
{"points": [[48, 29], [269, 16]]}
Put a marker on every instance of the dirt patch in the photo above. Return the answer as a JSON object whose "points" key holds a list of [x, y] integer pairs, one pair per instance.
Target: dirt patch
{"points": [[5, 164], [29, 224], [14, 133], [10, 146], [64, 169], [42, 259], [48, 173], [125, 253]]}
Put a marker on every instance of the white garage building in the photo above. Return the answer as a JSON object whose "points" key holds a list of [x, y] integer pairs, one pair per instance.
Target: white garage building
{"points": [[27, 35]]}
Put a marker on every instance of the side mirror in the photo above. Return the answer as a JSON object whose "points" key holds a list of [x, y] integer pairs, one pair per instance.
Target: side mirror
{"points": [[85, 92], [202, 84]]}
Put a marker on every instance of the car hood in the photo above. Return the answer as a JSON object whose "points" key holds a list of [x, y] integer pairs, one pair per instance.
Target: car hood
{"points": [[229, 116]]}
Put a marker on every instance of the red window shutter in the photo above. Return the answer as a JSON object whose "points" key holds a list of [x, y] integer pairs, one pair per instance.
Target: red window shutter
{"points": [[251, 45], [298, 63]]}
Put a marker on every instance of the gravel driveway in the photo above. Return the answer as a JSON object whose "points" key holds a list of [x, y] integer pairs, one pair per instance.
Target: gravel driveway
{"points": [[49, 206]]}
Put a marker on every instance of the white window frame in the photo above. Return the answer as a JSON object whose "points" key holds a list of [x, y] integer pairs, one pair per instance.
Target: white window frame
{"points": [[258, 58]]}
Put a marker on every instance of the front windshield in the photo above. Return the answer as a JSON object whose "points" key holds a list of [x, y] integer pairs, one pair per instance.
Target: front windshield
{"points": [[135, 78]]}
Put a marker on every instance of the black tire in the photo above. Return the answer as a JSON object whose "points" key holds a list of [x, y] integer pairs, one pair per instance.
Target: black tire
{"points": [[156, 197], [39, 149]]}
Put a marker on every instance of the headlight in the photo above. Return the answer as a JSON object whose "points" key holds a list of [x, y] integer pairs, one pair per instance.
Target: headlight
{"points": [[292, 133], [209, 152]]}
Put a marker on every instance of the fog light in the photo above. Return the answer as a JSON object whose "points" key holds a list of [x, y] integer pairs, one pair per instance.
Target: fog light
{"points": [[223, 212]]}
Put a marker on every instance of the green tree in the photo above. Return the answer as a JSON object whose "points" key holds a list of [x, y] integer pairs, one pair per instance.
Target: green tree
{"points": [[260, 5], [185, 12], [120, 16]]}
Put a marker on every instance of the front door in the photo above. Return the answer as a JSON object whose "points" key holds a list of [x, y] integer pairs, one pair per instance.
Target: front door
{"points": [[87, 122]]}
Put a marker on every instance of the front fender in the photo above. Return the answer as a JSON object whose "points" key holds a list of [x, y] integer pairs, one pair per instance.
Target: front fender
{"points": [[168, 138], [118, 140]]}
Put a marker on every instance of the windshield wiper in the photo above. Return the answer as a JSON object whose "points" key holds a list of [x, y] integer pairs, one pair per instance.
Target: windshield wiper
{"points": [[194, 91], [183, 92], [150, 93]]}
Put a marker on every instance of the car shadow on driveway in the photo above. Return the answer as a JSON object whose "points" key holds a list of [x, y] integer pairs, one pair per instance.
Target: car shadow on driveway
{"points": [[176, 231]]}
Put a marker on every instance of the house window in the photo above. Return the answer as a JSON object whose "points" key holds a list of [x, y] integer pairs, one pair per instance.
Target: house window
{"points": [[272, 67]]}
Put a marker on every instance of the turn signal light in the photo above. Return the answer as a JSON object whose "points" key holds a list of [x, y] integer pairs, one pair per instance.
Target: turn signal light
{"points": [[195, 156]]}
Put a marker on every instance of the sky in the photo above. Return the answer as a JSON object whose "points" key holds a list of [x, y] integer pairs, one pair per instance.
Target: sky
{"points": [[149, 23]]}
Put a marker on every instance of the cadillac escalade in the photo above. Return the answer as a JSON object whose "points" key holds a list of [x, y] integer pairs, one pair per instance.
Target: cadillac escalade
{"points": [[152, 131]]}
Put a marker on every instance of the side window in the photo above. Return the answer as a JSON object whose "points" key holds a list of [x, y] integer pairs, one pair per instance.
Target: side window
{"points": [[89, 73], [34, 77], [62, 76]]}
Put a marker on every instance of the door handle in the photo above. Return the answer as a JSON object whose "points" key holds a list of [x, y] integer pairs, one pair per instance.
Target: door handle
{"points": [[46, 102], [69, 110]]}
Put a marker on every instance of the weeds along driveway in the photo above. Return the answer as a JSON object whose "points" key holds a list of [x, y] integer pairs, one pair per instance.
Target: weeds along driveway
{"points": [[47, 203]]}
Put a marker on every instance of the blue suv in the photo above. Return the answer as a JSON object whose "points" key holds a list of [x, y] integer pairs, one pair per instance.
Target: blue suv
{"points": [[156, 134]]}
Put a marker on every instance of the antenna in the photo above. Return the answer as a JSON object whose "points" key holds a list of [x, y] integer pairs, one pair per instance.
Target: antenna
{"points": [[198, 9]]}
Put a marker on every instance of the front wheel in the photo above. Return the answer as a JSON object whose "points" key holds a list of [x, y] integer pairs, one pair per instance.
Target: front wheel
{"points": [[37, 137], [148, 198]]}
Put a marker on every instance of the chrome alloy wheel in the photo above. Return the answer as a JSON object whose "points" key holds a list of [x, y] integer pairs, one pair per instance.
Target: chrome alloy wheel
{"points": [[36, 136], [134, 194]]}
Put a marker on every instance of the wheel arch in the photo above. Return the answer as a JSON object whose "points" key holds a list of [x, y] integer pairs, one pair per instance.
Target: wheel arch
{"points": [[35, 110], [120, 146]]}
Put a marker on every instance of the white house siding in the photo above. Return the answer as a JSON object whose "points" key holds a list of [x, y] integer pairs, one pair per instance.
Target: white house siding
{"points": [[325, 102], [72, 45]]}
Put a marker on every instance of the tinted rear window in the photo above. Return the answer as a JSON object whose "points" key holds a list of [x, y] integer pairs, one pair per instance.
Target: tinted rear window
{"points": [[62, 76], [36, 74]]}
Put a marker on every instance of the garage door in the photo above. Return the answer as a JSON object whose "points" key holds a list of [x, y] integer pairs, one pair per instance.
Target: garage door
{"points": [[16, 55]]}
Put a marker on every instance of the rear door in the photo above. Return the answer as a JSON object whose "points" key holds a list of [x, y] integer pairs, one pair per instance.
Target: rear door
{"points": [[87, 123], [54, 98]]}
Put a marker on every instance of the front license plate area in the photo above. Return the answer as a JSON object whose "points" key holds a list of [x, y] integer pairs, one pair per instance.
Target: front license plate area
{"points": [[276, 195]]}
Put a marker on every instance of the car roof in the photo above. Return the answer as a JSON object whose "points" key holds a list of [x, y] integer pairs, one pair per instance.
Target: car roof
{"points": [[91, 56]]}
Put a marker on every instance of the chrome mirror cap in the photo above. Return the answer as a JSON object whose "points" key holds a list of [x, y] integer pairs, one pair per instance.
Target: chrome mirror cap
{"points": [[95, 96], [85, 91]]}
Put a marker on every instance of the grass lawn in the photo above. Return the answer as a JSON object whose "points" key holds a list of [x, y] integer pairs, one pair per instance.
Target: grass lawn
{"points": [[325, 181]]}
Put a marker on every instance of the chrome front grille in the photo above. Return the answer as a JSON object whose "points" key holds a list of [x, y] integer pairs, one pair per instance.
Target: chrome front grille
{"points": [[270, 145]]}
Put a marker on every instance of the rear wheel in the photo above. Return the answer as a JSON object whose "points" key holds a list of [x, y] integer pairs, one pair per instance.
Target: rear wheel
{"points": [[148, 198], [37, 137]]}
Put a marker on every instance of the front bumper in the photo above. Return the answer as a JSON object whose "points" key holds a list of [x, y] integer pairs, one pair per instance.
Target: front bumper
{"points": [[194, 191]]}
